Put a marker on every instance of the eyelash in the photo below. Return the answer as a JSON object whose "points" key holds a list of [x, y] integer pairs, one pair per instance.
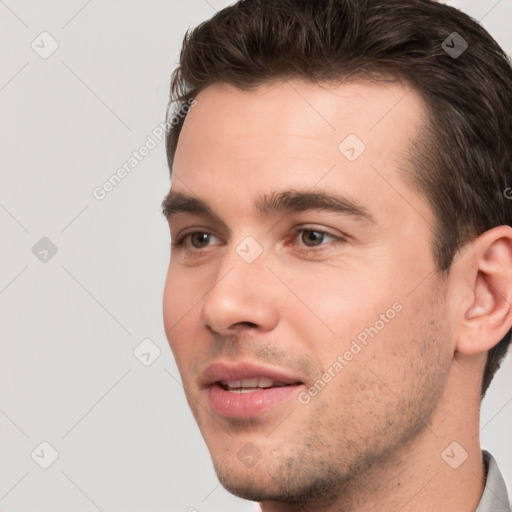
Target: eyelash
{"points": [[180, 242]]}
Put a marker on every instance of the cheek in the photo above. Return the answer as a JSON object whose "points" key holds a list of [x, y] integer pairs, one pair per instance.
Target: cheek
{"points": [[397, 373], [405, 352], [169, 302], [370, 320], [180, 296], [178, 313], [340, 304]]}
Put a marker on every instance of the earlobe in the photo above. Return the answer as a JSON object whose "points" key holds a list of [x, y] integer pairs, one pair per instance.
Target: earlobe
{"points": [[488, 317]]}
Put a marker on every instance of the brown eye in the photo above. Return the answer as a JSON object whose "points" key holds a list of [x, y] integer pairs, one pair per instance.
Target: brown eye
{"points": [[199, 240], [312, 238], [194, 241]]}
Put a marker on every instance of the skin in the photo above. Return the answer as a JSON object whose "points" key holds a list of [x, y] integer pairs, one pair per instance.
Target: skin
{"points": [[372, 438]]}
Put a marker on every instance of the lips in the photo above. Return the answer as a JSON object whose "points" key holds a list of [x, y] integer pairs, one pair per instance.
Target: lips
{"points": [[243, 390], [250, 385], [230, 372]]}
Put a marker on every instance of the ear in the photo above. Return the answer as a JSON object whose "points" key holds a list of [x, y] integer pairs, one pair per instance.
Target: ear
{"points": [[485, 272]]}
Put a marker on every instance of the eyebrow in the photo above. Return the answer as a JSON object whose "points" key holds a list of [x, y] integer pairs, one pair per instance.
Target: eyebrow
{"points": [[286, 202]]}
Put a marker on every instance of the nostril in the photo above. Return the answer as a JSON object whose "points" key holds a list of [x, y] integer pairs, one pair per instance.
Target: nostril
{"points": [[233, 330], [247, 324]]}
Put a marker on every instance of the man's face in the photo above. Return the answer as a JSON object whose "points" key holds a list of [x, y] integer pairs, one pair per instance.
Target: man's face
{"points": [[309, 332]]}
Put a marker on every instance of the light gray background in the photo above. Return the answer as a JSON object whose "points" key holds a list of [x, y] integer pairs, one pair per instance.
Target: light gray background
{"points": [[125, 438]]}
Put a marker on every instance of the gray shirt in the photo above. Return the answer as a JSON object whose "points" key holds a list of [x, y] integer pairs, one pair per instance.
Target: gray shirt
{"points": [[494, 498]]}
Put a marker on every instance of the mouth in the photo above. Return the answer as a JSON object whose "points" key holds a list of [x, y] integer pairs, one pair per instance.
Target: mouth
{"points": [[246, 390], [250, 385]]}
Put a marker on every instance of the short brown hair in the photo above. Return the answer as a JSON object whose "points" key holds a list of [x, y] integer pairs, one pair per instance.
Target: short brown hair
{"points": [[463, 165]]}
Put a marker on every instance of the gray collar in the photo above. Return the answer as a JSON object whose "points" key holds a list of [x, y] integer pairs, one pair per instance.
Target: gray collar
{"points": [[494, 498]]}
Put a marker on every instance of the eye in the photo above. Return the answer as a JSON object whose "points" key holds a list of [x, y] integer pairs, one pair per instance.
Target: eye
{"points": [[195, 240], [311, 238]]}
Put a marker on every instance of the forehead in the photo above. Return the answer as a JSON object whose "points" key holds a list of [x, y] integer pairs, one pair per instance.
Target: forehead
{"points": [[351, 137]]}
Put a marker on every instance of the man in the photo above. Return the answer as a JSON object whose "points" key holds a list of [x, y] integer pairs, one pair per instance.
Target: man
{"points": [[340, 284]]}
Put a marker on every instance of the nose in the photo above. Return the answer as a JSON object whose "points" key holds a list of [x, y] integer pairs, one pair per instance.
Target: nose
{"points": [[240, 298]]}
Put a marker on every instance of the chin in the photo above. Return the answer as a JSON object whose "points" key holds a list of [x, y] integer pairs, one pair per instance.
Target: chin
{"points": [[246, 490], [253, 485], [250, 479], [281, 479]]}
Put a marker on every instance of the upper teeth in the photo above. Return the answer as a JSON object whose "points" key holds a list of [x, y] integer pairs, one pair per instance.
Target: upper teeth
{"points": [[255, 382]]}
